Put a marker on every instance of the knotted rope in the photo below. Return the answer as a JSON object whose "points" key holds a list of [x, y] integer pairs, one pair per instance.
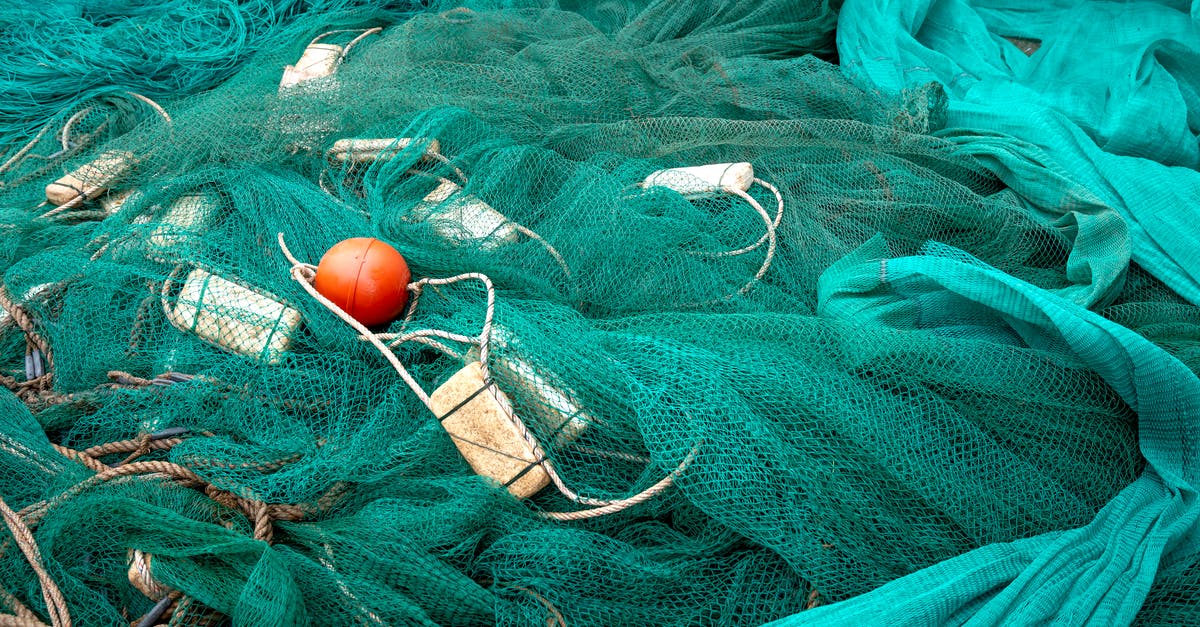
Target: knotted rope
{"points": [[260, 514]]}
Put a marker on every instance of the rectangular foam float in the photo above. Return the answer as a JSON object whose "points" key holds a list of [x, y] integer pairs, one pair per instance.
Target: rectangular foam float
{"points": [[478, 418], [356, 150], [317, 61], [463, 218], [702, 180], [234, 317], [91, 179]]}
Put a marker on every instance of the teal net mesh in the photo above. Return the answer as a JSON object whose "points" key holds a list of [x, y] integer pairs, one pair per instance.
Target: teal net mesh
{"points": [[195, 439]]}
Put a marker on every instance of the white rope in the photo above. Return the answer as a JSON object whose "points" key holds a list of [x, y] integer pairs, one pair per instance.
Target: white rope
{"points": [[562, 263], [157, 108], [769, 237], [440, 158], [362, 34], [26, 148], [351, 44], [618, 505], [65, 136], [753, 203], [485, 334], [304, 274]]}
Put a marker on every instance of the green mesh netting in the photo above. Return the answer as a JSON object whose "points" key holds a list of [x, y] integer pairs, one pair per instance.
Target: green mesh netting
{"points": [[875, 404]]}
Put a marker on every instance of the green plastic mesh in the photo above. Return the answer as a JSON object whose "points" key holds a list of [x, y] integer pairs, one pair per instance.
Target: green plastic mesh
{"points": [[822, 457]]}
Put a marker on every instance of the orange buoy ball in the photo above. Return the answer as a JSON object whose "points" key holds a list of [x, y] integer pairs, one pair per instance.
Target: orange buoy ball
{"points": [[366, 277]]}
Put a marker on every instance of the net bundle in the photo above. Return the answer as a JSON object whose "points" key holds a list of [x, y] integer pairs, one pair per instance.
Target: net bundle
{"points": [[193, 438]]}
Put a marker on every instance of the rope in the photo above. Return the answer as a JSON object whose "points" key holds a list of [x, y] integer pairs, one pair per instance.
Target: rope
{"points": [[353, 42], [262, 515], [83, 458], [558, 258], [606, 506], [444, 160], [64, 141], [771, 225], [35, 393], [304, 273], [520, 228], [171, 602], [65, 135], [143, 446], [769, 237], [154, 105], [26, 324], [140, 318], [18, 608], [554, 618], [774, 224], [346, 49], [25, 149], [140, 578], [613, 506], [120, 378], [56, 605], [202, 617]]}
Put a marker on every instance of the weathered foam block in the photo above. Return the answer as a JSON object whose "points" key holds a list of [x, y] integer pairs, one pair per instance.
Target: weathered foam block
{"points": [[355, 150], [318, 61], [701, 180], [485, 434], [186, 219], [91, 179], [463, 218], [233, 317], [554, 407]]}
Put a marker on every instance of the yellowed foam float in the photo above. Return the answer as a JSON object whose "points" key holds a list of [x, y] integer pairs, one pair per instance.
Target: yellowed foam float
{"points": [[232, 316]]}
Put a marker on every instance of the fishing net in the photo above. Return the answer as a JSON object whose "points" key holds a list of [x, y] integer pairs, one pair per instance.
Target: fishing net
{"points": [[626, 390], [63, 53]]}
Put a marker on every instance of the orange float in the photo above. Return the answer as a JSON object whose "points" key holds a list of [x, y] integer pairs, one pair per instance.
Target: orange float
{"points": [[366, 277]]}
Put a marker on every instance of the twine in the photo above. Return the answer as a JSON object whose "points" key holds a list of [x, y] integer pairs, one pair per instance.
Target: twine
{"points": [[26, 323], [770, 238], [554, 618], [262, 515], [346, 49], [304, 274], [56, 605]]}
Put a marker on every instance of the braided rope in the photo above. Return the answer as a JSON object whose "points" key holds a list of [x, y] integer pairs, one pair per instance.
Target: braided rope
{"points": [[304, 274], [554, 618], [82, 457], [56, 605], [262, 516], [140, 578], [18, 607], [27, 325], [130, 446], [769, 237]]}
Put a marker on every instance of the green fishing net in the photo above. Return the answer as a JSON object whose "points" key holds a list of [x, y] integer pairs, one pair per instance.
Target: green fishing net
{"points": [[843, 357]]}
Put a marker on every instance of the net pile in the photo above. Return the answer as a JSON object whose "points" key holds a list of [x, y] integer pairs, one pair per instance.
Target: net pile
{"points": [[858, 358]]}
